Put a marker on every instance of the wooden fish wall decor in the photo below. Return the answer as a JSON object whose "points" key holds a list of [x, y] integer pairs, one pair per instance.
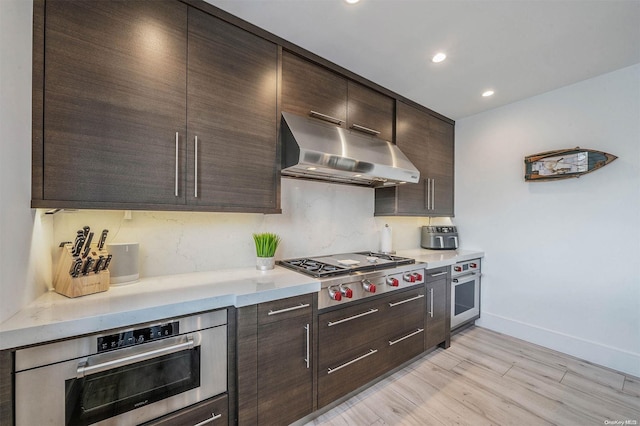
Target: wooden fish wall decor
{"points": [[564, 163]]}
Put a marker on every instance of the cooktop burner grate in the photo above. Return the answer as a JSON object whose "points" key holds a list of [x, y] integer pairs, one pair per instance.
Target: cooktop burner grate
{"points": [[343, 264]]}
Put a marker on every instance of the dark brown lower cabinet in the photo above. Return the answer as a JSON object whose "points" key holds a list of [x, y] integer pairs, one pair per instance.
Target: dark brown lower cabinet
{"points": [[359, 343], [214, 410], [276, 385], [6, 387], [438, 318]]}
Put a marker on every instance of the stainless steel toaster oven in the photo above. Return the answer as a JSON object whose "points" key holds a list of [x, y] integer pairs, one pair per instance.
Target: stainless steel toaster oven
{"points": [[439, 237]]}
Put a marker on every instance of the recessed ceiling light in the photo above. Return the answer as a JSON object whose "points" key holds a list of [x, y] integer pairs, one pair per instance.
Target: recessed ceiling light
{"points": [[439, 57], [352, 1], [487, 93]]}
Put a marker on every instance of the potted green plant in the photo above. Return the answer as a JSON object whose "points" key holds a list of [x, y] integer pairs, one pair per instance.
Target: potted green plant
{"points": [[266, 245]]}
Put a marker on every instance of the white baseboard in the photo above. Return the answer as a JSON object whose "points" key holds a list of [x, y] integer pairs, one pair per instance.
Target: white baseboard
{"points": [[608, 356]]}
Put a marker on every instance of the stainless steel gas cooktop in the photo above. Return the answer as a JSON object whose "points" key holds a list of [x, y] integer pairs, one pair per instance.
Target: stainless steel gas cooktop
{"points": [[345, 263]]}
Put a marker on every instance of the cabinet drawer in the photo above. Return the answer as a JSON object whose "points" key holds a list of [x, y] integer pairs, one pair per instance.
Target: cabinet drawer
{"points": [[404, 311], [437, 273], [353, 368], [283, 309], [349, 327], [216, 410], [404, 346]]}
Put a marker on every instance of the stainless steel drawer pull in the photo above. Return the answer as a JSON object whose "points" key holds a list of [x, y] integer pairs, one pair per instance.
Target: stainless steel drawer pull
{"points": [[325, 117], [369, 312], [433, 194], [365, 129], [293, 308], [177, 148], [420, 296], [333, 370], [438, 274], [85, 369], [213, 417], [418, 331], [195, 170], [306, 360], [431, 302]]}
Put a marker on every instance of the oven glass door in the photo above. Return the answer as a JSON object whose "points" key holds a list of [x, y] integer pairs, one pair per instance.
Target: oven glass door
{"points": [[465, 300], [113, 391]]}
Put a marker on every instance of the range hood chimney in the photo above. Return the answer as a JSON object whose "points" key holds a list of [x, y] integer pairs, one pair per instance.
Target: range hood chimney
{"points": [[313, 149]]}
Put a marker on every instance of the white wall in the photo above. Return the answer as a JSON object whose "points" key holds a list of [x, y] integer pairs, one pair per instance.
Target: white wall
{"points": [[24, 237], [562, 256]]}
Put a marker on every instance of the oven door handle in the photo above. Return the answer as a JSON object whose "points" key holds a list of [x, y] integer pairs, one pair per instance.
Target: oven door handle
{"points": [[465, 277], [85, 369]]}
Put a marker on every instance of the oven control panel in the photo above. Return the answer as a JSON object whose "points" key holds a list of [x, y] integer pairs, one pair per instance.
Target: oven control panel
{"points": [[138, 336], [465, 267]]}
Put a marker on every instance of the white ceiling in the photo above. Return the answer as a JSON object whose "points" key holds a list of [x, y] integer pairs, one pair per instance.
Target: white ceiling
{"points": [[518, 48]]}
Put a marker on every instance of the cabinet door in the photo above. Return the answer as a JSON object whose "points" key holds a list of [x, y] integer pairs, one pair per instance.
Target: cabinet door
{"points": [[114, 100], [231, 110], [429, 143], [369, 111], [307, 88], [213, 412], [441, 166], [437, 325], [412, 138], [285, 375]]}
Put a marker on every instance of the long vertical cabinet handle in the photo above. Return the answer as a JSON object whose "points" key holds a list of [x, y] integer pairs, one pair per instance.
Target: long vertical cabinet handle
{"points": [[431, 302], [433, 194], [195, 170], [177, 147], [427, 182], [306, 327]]}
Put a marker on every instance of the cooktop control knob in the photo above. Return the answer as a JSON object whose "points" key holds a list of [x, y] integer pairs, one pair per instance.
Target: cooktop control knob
{"points": [[335, 294], [393, 282], [346, 292], [410, 278], [418, 276], [368, 286]]}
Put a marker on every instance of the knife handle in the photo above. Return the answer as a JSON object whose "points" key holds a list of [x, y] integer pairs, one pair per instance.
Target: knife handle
{"points": [[87, 246], [107, 262], [85, 230], [103, 238]]}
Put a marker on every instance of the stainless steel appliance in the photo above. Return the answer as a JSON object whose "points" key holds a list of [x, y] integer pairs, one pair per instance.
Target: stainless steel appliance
{"points": [[123, 377], [465, 292], [322, 150], [349, 277], [439, 237]]}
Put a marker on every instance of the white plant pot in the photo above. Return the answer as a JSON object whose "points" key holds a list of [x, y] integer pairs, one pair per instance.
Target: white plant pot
{"points": [[265, 263]]}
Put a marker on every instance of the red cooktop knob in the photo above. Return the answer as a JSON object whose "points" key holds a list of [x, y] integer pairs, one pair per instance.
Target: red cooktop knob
{"points": [[347, 292], [418, 276], [473, 265], [335, 294], [410, 278], [393, 282], [457, 268], [368, 286]]}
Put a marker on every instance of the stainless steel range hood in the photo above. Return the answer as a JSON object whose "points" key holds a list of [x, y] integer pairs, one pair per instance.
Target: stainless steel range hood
{"points": [[316, 150]]}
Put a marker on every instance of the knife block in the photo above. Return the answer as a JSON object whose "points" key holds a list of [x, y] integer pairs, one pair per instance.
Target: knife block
{"points": [[82, 285]]}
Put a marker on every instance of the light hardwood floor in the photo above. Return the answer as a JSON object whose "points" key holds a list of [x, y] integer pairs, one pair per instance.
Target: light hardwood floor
{"points": [[487, 378]]}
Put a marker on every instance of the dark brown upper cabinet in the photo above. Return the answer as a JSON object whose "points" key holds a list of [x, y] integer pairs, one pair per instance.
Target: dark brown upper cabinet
{"points": [[429, 143], [231, 113], [370, 112], [311, 90], [114, 103], [125, 98]]}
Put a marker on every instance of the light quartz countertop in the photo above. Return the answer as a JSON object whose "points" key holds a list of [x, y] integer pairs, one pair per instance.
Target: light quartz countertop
{"points": [[438, 258], [53, 316]]}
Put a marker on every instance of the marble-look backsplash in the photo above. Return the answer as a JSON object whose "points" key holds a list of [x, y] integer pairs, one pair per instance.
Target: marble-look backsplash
{"points": [[317, 218]]}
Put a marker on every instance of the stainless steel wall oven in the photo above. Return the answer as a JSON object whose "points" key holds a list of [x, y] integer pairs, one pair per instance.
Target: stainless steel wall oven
{"points": [[124, 376], [465, 292]]}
